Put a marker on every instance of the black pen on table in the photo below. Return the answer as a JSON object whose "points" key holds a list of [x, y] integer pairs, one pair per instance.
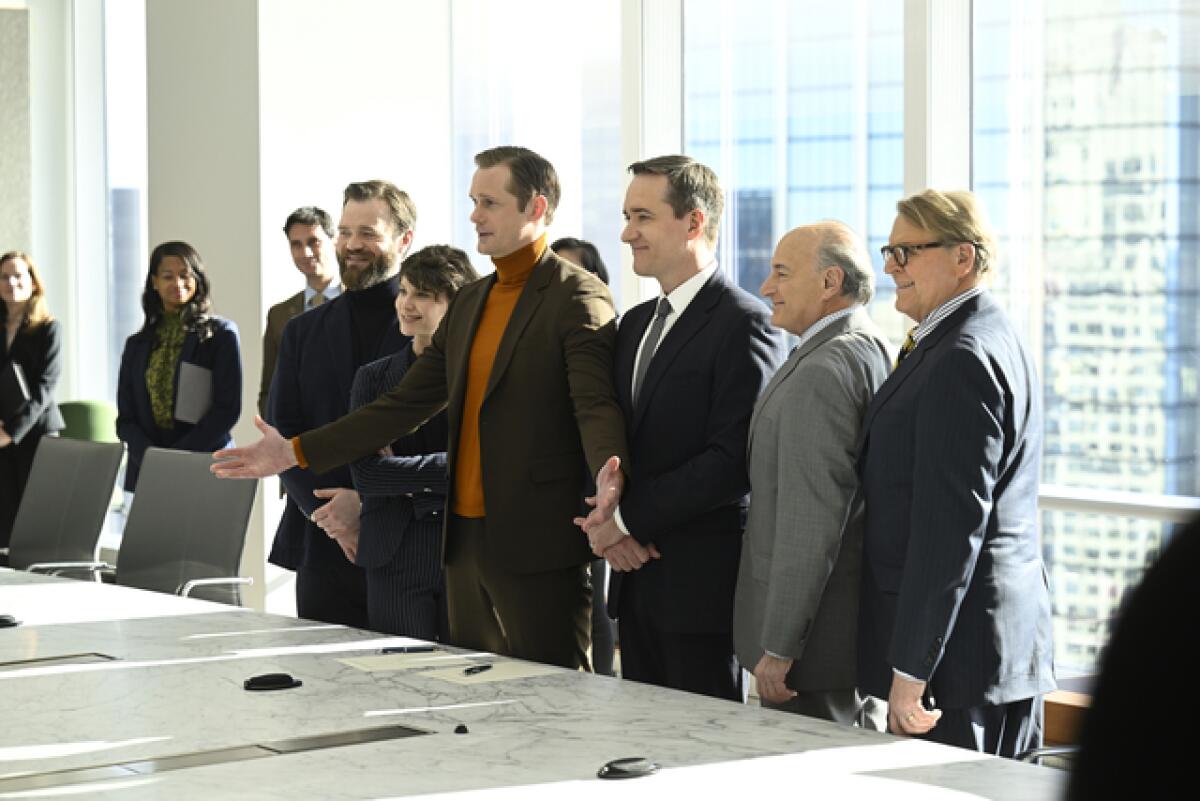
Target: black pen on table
{"points": [[475, 669], [409, 649]]}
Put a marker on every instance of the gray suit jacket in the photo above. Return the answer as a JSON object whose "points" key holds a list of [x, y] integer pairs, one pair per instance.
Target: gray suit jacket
{"points": [[277, 319], [797, 590]]}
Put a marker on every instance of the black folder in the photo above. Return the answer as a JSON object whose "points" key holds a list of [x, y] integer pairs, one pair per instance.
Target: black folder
{"points": [[14, 390]]}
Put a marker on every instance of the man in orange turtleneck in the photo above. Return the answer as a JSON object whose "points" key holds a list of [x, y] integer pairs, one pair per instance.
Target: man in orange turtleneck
{"points": [[523, 363]]}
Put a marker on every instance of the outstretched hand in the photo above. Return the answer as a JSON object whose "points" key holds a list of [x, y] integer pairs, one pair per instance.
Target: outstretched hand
{"points": [[269, 456]]}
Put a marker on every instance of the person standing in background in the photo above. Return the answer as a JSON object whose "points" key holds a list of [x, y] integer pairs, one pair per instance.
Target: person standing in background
{"points": [[180, 350], [33, 341], [309, 231]]}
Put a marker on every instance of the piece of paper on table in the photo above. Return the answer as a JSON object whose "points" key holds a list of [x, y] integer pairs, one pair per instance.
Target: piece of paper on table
{"points": [[380, 662], [501, 671]]}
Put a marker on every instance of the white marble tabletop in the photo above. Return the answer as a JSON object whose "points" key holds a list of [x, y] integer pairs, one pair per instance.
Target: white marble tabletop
{"points": [[168, 682]]}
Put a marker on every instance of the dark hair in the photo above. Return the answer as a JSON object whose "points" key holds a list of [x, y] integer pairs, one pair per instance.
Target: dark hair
{"points": [[589, 257], [440, 269], [310, 215], [690, 185], [36, 312], [532, 175], [401, 207], [195, 312]]}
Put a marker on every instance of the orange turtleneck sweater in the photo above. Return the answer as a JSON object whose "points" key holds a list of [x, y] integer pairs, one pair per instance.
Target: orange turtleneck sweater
{"points": [[512, 271]]}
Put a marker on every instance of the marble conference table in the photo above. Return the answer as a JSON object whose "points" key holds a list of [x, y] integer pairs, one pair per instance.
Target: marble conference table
{"points": [[108, 692]]}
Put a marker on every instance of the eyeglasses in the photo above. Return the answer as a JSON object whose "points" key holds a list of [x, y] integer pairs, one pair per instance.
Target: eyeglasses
{"points": [[901, 253]]}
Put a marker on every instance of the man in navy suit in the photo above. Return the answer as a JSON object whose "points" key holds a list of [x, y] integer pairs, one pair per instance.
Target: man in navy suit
{"points": [[954, 619], [688, 367], [318, 357]]}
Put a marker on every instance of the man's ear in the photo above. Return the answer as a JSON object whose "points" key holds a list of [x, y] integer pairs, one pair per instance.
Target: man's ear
{"points": [[696, 221], [832, 279], [965, 256], [538, 207]]}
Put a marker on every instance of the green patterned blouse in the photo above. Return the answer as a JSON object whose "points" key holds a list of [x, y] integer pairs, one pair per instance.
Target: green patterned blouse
{"points": [[160, 371]]}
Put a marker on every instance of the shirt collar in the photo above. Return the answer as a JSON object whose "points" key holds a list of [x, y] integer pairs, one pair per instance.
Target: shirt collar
{"points": [[682, 295], [330, 292], [825, 322], [942, 312]]}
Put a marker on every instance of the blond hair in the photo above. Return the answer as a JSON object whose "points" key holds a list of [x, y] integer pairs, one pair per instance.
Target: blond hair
{"points": [[953, 218]]}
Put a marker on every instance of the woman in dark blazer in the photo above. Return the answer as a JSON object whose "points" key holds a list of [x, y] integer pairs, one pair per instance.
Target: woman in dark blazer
{"points": [[178, 330], [31, 339], [403, 489]]}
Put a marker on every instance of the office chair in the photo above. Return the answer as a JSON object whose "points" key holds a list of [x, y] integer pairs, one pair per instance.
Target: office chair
{"points": [[185, 531], [186, 528], [62, 510], [95, 421]]}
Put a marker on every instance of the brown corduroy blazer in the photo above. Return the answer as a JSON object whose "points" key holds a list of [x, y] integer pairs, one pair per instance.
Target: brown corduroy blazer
{"points": [[549, 417]]}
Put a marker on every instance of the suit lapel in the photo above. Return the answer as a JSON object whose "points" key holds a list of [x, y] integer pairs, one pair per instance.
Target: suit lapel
{"points": [[527, 304], [693, 319], [632, 329], [793, 361], [296, 306], [911, 364]]}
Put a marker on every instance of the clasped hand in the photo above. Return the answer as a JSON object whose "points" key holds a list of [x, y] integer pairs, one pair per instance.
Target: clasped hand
{"points": [[339, 518], [605, 537]]}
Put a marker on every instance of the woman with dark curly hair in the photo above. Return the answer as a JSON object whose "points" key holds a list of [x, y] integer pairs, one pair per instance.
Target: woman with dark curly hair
{"points": [[180, 384], [31, 341]]}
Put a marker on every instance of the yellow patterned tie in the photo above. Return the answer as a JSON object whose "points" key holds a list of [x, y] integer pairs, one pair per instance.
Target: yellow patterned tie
{"points": [[906, 348], [316, 300]]}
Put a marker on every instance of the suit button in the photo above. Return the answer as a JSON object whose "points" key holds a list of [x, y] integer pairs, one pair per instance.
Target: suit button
{"points": [[938, 639]]}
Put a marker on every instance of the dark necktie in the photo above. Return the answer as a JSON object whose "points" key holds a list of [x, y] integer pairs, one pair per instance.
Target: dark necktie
{"points": [[907, 347], [316, 300], [650, 345]]}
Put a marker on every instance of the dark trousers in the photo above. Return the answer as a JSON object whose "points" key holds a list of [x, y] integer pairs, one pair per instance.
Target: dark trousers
{"points": [[1000, 729], [542, 617], [701, 662], [16, 460], [407, 596], [603, 641], [332, 591]]}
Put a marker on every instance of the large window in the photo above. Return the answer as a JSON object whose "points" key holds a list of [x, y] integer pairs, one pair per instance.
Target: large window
{"points": [[553, 87], [799, 108], [1086, 143]]}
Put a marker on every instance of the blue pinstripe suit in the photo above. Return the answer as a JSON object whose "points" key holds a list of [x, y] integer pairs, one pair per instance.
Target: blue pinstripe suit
{"points": [[403, 501]]}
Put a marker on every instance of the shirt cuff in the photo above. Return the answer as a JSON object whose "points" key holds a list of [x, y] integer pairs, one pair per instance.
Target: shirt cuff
{"points": [[904, 675], [298, 452], [620, 521]]}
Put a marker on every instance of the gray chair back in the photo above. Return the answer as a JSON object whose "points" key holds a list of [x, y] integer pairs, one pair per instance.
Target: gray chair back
{"points": [[66, 498], [184, 524]]}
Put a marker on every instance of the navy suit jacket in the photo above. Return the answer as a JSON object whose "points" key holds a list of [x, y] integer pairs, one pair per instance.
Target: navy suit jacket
{"points": [[135, 419], [313, 378], [954, 591], [688, 485], [404, 493]]}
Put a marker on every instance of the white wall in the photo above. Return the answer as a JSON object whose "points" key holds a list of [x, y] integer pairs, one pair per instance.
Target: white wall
{"points": [[339, 104], [257, 108]]}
